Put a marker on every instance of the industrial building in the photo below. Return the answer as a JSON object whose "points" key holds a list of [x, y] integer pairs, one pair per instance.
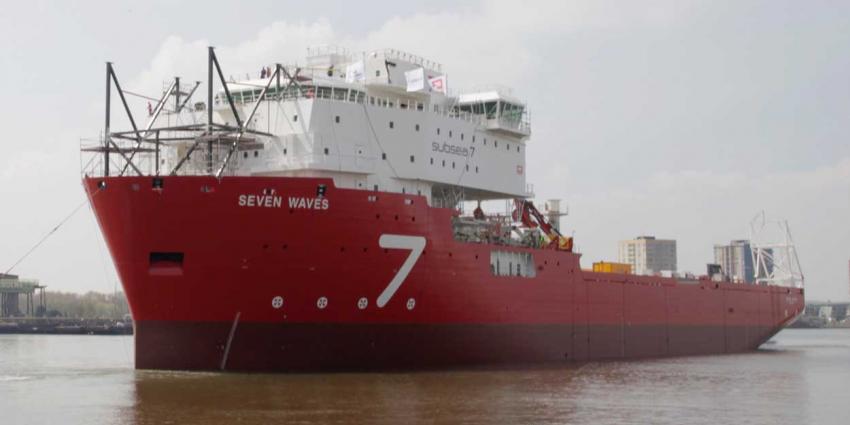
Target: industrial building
{"points": [[11, 290], [648, 255], [736, 261]]}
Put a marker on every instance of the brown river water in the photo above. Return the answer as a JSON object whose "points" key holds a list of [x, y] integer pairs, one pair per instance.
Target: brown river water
{"points": [[800, 377]]}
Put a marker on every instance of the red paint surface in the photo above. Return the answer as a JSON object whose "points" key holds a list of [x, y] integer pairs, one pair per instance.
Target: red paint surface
{"points": [[238, 258]]}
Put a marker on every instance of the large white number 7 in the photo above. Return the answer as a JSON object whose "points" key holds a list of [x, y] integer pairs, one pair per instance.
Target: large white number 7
{"points": [[416, 244]]}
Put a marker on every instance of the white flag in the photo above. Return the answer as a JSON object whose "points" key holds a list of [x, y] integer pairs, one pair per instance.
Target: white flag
{"points": [[415, 79], [355, 73], [438, 84]]}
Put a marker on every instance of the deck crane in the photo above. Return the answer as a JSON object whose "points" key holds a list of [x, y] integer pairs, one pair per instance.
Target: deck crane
{"points": [[530, 216]]}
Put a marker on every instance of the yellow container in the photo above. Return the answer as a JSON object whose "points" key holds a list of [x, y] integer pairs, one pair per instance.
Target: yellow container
{"points": [[605, 267]]}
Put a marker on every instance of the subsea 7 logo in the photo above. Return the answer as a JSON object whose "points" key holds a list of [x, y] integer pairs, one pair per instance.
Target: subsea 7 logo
{"points": [[416, 244]]}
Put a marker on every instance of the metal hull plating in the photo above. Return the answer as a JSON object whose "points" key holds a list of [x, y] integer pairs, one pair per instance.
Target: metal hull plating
{"points": [[261, 274]]}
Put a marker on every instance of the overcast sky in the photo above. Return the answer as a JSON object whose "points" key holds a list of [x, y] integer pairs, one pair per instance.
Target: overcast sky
{"points": [[676, 119]]}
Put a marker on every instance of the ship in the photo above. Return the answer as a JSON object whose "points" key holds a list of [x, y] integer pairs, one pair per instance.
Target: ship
{"points": [[326, 217]]}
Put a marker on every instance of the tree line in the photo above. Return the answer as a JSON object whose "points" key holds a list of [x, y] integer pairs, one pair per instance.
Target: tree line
{"points": [[91, 305]]}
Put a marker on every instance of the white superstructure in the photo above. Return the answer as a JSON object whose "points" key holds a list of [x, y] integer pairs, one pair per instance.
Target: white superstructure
{"points": [[381, 120]]}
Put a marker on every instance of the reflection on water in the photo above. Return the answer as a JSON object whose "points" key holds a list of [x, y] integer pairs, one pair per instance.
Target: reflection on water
{"points": [[801, 378]]}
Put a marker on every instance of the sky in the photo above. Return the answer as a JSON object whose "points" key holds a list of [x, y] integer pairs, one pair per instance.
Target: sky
{"points": [[679, 119]]}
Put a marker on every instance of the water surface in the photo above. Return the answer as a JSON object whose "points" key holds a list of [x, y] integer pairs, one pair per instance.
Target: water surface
{"points": [[800, 377]]}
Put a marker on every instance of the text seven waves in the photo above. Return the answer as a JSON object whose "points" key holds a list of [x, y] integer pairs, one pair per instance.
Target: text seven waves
{"points": [[274, 201]]}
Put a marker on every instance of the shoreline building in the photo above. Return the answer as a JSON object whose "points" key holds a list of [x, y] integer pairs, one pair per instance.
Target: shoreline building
{"points": [[648, 255], [736, 261], [12, 287]]}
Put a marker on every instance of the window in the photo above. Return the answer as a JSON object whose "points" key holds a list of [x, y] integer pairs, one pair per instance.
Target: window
{"points": [[411, 158], [417, 127], [453, 165], [432, 161], [450, 134], [476, 168], [256, 154], [377, 72], [244, 154], [383, 155], [495, 143], [467, 167], [485, 141], [473, 138], [284, 151], [327, 151], [444, 163], [508, 146], [295, 118], [392, 124], [438, 131], [337, 119], [517, 149], [461, 136]]}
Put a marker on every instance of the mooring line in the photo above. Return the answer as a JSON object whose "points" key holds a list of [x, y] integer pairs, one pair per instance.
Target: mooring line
{"points": [[44, 238]]}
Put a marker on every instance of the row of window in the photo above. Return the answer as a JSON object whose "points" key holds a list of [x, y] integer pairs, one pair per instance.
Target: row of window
{"points": [[416, 127]]}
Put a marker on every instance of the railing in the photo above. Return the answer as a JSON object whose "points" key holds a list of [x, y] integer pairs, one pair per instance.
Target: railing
{"points": [[419, 60], [346, 95]]}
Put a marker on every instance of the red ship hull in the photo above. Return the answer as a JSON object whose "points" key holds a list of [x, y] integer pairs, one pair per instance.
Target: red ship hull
{"points": [[232, 274]]}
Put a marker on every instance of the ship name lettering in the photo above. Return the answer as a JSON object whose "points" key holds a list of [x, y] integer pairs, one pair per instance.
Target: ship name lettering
{"points": [[451, 149], [309, 203], [266, 201]]}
